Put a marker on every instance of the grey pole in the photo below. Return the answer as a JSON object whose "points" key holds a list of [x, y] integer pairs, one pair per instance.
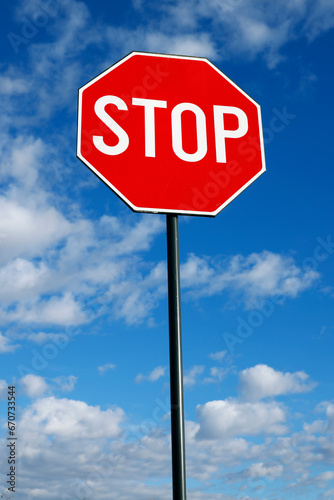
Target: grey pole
{"points": [[175, 359]]}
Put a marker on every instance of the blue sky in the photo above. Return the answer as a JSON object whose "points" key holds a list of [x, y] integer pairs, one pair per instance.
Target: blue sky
{"points": [[84, 325]]}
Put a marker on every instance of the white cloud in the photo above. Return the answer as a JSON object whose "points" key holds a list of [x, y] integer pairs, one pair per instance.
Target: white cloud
{"points": [[155, 374], [321, 425], [200, 44], [72, 439], [330, 416], [58, 310], [104, 368], [217, 375], [315, 427], [268, 274], [262, 381], [71, 419], [151, 39], [324, 477], [132, 289], [63, 310], [21, 226], [260, 469], [134, 297], [196, 271], [320, 18], [33, 385], [89, 466], [128, 237], [227, 418], [218, 356], [3, 389], [22, 159], [19, 277], [254, 278], [66, 384], [191, 376], [5, 344], [13, 85], [52, 69], [90, 257], [248, 29]]}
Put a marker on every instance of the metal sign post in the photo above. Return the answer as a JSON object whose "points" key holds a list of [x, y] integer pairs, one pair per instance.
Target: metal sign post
{"points": [[175, 359]]}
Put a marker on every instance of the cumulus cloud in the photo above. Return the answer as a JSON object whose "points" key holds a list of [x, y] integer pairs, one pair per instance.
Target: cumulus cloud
{"points": [[6, 345], [87, 462], [33, 385], [71, 419], [262, 381], [196, 271], [323, 478], [260, 469], [131, 289], [20, 226], [155, 374], [135, 297], [227, 418], [47, 273], [63, 310], [323, 425], [19, 277], [23, 157], [190, 377], [129, 237], [253, 278], [75, 440]]}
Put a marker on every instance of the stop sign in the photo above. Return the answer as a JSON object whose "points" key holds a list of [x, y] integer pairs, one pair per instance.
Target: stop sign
{"points": [[170, 134]]}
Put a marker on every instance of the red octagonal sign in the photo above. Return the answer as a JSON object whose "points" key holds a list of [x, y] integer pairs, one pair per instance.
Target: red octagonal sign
{"points": [[170, 134]]}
